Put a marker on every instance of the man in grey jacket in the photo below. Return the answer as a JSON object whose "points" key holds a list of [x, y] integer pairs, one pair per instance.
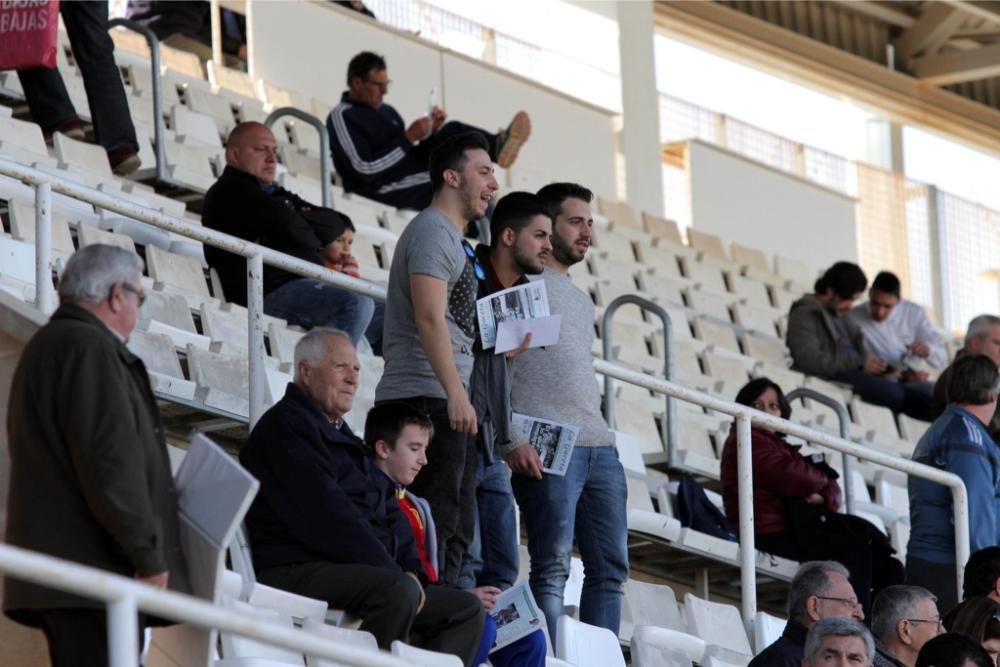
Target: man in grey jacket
{"points": [[557, 383], [519, 246], [825, 343]]}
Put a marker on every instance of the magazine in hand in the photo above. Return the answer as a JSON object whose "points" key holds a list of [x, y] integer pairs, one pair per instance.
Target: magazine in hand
{"points": [[506, 316], [516, 615], [553, 441]]}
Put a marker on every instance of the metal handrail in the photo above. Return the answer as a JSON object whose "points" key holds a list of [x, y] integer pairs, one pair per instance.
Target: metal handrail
{"points": [[843, 419], [745, 416], [257, 255], [669, 432], [325, 171], [159, 130], [124, 597]]}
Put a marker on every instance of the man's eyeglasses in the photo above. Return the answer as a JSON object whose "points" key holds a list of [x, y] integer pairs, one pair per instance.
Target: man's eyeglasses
{"points": [[936, 621], [471, 254], [853, 604], [382, 85], [138, 291]]}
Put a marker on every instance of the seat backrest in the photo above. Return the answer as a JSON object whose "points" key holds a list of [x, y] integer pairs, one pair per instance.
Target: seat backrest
{"points": [[88, 234], [662, 228], [718, 624], [652, 604], [193, 127], [709, 244], [75, 154], [619, 212], [751, 258], [587, 645], [184, 273], [169, 309], [650, 650], [419, 656], [228, 374], [355, 638], [766, 630], [157, 352], [237, 646]]}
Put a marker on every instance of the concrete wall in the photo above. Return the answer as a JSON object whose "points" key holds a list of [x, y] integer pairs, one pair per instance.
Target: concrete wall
{"points": [[749, 203], [571, 139], [19, 646]]}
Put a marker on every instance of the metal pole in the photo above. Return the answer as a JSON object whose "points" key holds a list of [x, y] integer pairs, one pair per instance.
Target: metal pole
{"points": [[844, 419], [669, 431], [748, 550], [325, 173], [215, 11], [123, 632], [159, 132], [255, 318], [44, 293], [960, 513]]}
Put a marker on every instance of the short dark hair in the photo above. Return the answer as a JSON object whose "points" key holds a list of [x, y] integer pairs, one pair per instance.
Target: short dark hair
{"points": [[845, 279], [981, 572], [952, 650], [363, 63], [887, 283], [450, 154], [973, 380], [553, 195], [515, 210], [975, 618], [387, 420], [752, 390]]}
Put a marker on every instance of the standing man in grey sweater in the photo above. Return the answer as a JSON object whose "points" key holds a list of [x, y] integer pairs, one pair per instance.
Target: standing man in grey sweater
{"points": [[557, 383]]}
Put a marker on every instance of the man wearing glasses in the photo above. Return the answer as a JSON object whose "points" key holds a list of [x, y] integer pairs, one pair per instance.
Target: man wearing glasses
{"points": [[429, 331], [904, 618], [377, 156], [820, 589], [90, 480]]}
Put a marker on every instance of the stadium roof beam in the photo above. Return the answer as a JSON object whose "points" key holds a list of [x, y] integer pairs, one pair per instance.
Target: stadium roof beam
{"points": [[794, 54], [947, 68], [929, 32]]}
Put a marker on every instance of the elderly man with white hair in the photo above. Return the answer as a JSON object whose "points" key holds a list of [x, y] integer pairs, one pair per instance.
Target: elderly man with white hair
{"points": [[326, 523], [90, 479], [838, 642]]}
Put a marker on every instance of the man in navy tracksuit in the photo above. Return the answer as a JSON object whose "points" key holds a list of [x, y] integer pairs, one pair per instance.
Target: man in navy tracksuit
{"points": [[378, 157], [956, 442]]}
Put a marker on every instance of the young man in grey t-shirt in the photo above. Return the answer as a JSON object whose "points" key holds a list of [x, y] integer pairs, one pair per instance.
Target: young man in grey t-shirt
{"points": [[557, 383], [429, 330]]}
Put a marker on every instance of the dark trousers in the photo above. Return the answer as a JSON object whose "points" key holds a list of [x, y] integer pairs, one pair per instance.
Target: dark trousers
{"points": [[915, 399], [87, 27], [451, 621], [938, 578], [448, 484], [77, 637], [418, 196]]}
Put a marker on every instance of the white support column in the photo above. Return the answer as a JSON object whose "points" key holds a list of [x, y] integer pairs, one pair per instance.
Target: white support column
{"points": [[640, 107], [885, 144]]}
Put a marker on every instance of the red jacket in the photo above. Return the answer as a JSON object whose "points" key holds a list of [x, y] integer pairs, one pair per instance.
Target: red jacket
{"points": [[779, 472]]}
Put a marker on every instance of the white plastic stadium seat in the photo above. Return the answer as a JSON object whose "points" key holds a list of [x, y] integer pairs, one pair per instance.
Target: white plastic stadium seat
{"points": [[654, 646], [419, 656], [586, 645], [646, 605], [766, 630], [718, 624]]}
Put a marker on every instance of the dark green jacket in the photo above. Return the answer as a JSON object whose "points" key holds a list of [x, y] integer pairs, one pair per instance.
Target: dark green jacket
{"points": [[90, 477]]}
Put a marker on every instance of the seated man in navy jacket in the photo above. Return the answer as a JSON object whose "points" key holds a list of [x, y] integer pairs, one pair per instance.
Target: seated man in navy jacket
{"points": [[245, 202], [323, 524], [377, 156]]}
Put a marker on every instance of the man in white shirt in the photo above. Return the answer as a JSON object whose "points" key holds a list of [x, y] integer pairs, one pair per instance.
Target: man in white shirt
{"points": [[897, 330]]}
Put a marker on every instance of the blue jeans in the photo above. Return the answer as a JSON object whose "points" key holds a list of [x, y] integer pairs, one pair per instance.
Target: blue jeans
{"points": [[590, 503], [45, 92], [492, 557], [309, 303], [914, 399], [374, 332]]}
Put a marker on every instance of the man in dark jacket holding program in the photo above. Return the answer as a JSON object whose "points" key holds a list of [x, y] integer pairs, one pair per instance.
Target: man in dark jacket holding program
{"points": [[90, 479], [326, 525]]}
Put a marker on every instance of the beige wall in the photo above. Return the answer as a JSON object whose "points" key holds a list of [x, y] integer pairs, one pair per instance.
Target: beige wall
{"points": [[571, 140], [21, 647]]}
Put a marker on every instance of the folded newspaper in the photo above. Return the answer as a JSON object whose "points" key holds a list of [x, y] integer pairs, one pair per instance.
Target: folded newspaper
{"points": [[553, 441], [516, 615], [505, 317]]}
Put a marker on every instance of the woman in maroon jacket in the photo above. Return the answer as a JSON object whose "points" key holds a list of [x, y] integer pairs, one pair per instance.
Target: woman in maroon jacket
{"points": [[780, 473], [795, 503]]}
